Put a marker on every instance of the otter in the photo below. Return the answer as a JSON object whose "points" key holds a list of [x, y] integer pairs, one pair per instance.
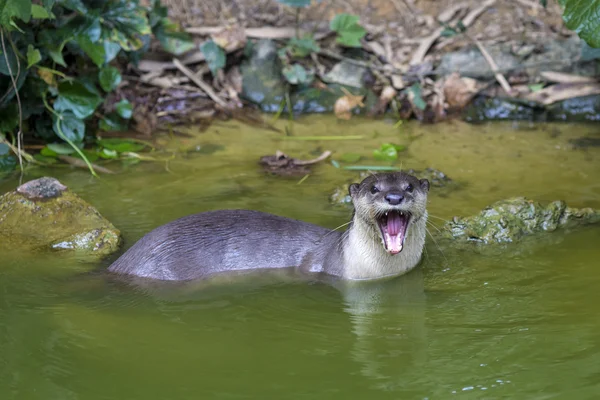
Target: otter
{"points": [[385, 238]]}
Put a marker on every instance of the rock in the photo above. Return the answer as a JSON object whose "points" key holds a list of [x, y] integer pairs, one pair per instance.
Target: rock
{"points": [[45, 214], [511, 220], [567, 55], [577, 109], [262, 81], [347, 74], [314, 100], [484, 108], [471, 63], [437, 179]]}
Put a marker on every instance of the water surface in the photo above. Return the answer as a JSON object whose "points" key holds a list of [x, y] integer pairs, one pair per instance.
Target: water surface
{"points": [[521, 323]]}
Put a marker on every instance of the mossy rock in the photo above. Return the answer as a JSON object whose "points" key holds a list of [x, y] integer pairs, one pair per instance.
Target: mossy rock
{"points": [[512, 219], [45, 214], [437, 179]]}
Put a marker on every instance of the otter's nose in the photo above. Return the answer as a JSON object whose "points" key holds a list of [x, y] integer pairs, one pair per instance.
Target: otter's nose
{"points": [[394, 198]]}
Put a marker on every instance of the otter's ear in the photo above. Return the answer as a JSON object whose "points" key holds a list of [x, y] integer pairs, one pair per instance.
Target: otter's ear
{"points": [[424, 184], [353, 189]]}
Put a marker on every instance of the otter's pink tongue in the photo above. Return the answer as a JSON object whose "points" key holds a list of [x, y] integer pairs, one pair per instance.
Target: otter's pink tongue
{"points": [[394, 234]]}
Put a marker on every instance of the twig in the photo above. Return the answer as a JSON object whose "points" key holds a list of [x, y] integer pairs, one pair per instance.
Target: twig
{"points": [[499, 77], [529, 4], [322, 157], [201, 84], [14, 84], [428, 41]]}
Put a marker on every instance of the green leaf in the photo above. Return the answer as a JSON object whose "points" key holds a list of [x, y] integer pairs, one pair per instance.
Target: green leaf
{"points": [[95, 51], [121, 145], [295, 3], [172, 39], [8, 162], [417, 96], [44, 159], [39, 12], [113, 122], [582, 16], [388, 152], [70, 126], [12, 62], [544, 3], [108, 154], [77, 98], [48, 152], [74, 5], [124, 108], [348, 30], [296, 74], [215, 56], [10, 9], [109, 78], [536, 87], [33, 56], [9, 118], [129, 22], [54, 149], [303, 47]]}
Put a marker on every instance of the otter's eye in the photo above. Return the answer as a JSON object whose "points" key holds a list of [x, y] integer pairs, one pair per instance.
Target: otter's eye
{"points": [[374, 189], [410, 188]]}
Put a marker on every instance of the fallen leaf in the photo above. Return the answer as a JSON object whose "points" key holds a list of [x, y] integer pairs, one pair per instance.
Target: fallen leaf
{"points": [[459, 91], [561, 77], [387, 95], [398, 82], [230, 38], [344, 105]]}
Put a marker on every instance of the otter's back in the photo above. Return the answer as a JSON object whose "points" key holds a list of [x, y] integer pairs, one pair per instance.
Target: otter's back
{"points": [[216, 241]]}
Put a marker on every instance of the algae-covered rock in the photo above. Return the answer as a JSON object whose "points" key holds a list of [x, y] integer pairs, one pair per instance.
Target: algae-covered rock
{"points": [[436, 179], [44, 213], [512, 219]]}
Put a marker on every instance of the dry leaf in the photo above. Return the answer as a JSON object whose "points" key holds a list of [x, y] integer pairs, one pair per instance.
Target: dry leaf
{"points": [[230, 38], [47, 76], [459, 91], [387, 94], [344, 105], [561, 77]]}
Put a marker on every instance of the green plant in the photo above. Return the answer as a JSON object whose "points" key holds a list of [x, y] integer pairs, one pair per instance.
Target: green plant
{"points": [[349, 32], [581, 16], [388, 152], [58, 58]]}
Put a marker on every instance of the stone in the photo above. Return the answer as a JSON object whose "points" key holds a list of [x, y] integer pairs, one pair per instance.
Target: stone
{"points": [[511, 220], [44, 214], [262, 81], [346, 73]]}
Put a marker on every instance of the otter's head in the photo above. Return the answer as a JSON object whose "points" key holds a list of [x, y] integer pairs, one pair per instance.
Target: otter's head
{"points": [[390, 203]]}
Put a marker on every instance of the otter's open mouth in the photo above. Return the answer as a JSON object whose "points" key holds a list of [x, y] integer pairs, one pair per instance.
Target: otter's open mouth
{"points": [[393, 225]]}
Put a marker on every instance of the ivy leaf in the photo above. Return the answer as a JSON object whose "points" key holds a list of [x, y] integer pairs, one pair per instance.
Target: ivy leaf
{"points": [[544, 3], [109, 78], [582, 17], [70, 126], [124, 108], [296, 74], [215, 56], [74, 5], [12, 62], [417, 97], [54, 149], [172, 39], [9, 118], [303, 47], [39, 12], [388, 152], [10, 9], [295, 3], [77, 98], [113, 123], [348, 30], [33, 56], [95, 51], [121, 145]]}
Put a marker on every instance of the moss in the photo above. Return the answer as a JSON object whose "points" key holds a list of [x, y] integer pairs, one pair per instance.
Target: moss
{"points": [[512, 219], [60, 221]]}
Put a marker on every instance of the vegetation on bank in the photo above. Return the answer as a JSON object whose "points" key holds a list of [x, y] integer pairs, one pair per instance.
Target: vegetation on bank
{"points": [[60, 68]]}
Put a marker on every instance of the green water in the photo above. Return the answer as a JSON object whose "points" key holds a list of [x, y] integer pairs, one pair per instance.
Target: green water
{"points": [[521, 324]]}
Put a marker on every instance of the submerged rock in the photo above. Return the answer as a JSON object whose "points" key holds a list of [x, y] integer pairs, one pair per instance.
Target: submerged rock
{"points": [[437, 179], [510, 220], [45, 214]]}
